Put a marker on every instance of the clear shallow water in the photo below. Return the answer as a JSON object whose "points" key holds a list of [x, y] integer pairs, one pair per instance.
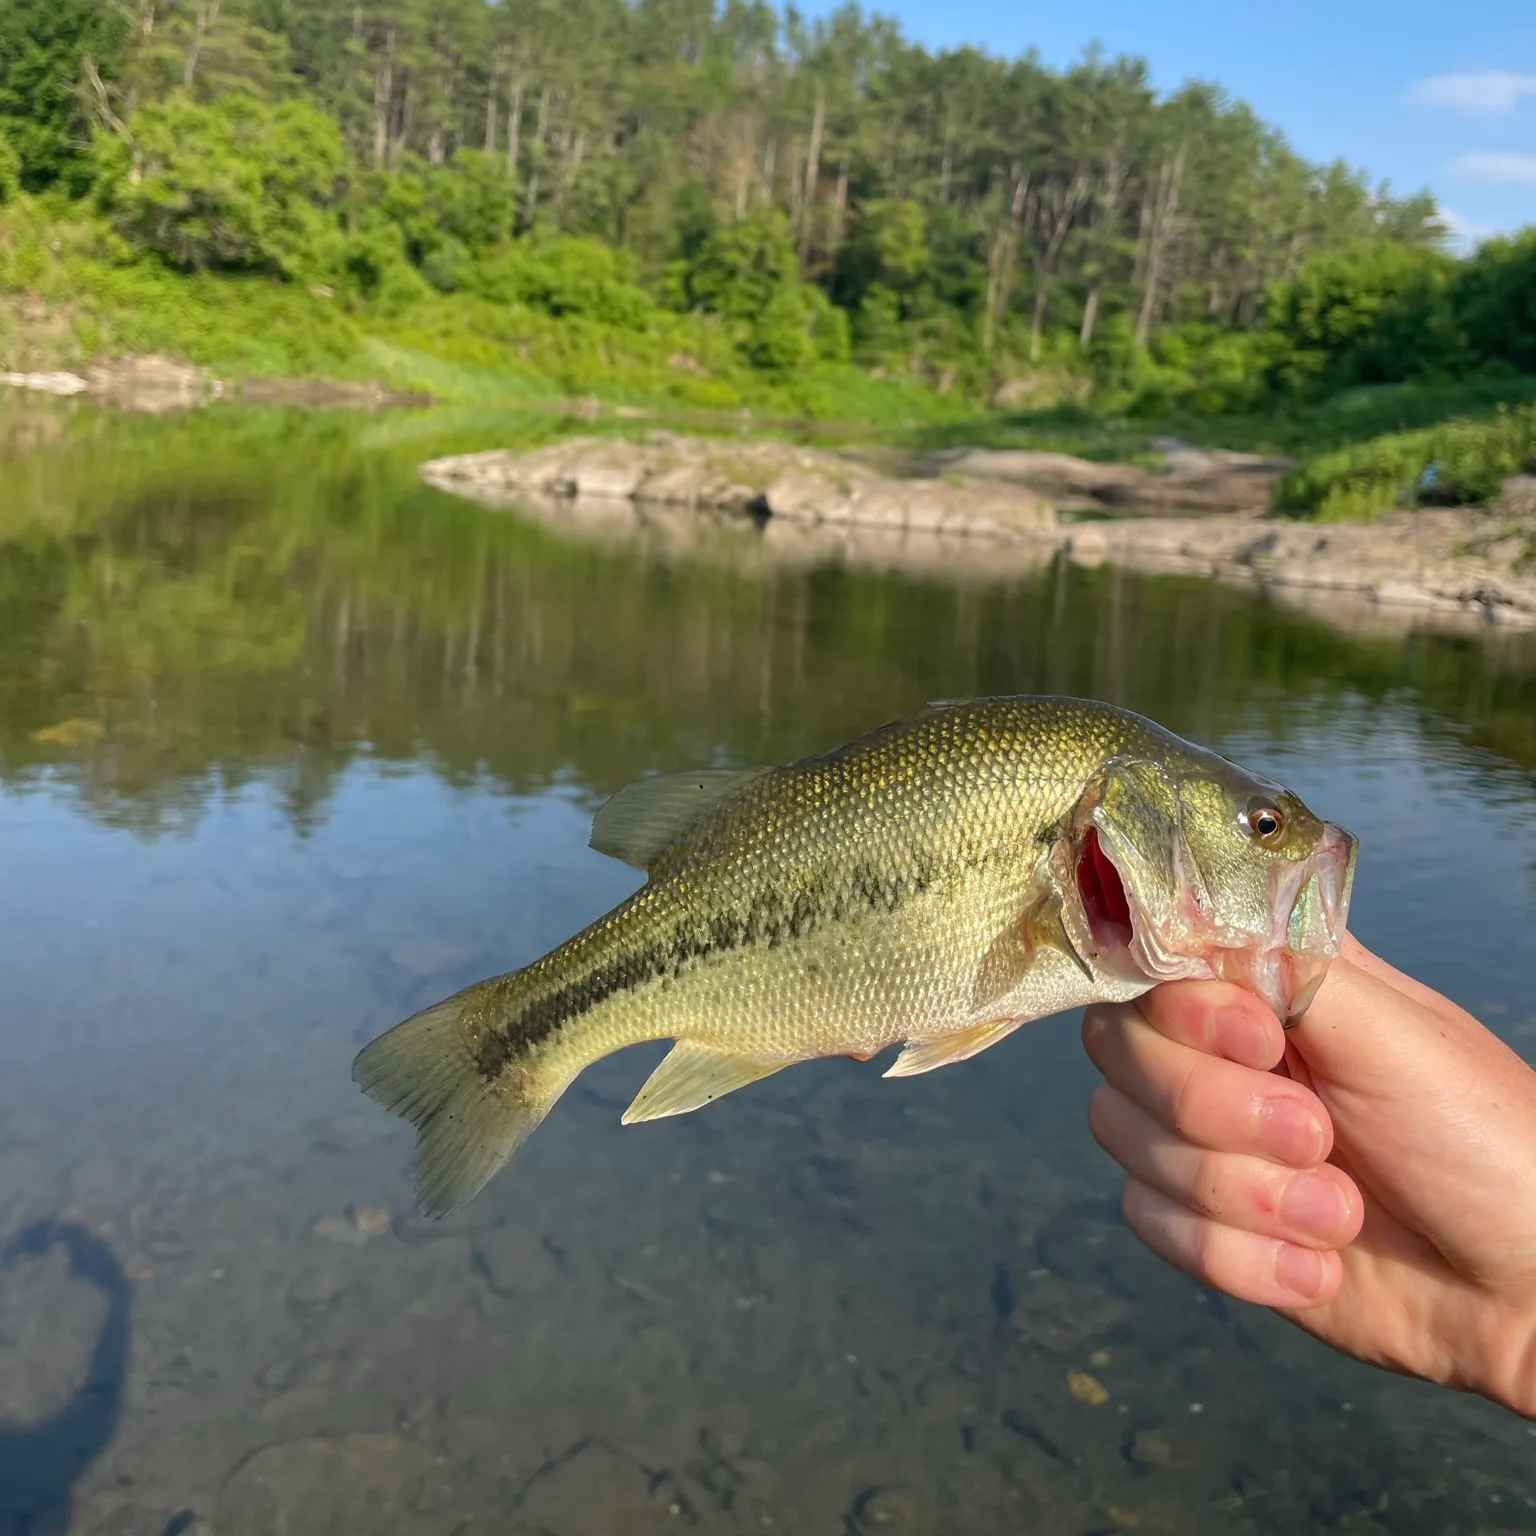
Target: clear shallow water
{"points": [[290, 745]]}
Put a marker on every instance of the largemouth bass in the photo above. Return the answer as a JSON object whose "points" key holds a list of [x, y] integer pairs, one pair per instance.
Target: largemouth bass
{"points": [[934, 884]]}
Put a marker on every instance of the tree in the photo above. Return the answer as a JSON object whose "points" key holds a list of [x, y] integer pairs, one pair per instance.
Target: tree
{"points": [[10, 170], [240, 184], [46, 50], [1368, 314]]}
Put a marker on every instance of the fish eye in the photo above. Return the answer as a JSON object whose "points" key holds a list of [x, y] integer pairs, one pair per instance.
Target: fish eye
{"points": [[1265, 821]]}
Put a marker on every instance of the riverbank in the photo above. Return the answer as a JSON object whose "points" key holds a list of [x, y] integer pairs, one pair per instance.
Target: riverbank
{"points": [[1000, 513], [156, 384]]}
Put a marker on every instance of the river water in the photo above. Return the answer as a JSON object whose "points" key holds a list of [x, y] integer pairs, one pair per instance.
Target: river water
{"points": [[291, 744]]}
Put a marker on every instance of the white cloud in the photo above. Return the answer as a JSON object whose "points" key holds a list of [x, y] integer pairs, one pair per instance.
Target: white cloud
{"points": [[1488, 93], [1466, 233], [1508, 169]]}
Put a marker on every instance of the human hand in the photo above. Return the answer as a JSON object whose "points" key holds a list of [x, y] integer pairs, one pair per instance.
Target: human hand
{"points": [[1370, 1172]]}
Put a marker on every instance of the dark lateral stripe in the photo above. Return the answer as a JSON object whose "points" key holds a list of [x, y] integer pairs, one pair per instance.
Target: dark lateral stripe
{"points": [[771, 919]]}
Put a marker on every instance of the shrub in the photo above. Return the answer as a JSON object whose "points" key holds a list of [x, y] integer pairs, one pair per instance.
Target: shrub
{"points": [[1458, 461], [240, 184]]}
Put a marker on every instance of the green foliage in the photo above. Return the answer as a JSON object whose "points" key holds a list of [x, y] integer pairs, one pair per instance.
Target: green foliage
{"points": [[1495, 294], [466, 203], [1456, 461], [617, 196], [742, 267], [10, 170], [240, 184], [1368, 314], [44, 49], [566, 276]]}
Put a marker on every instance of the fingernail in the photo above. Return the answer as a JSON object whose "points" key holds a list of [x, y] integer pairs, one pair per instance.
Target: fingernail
{"points": [[1299, 1270], [1241, 1038], [1313, 1204], [1290, 1131]]}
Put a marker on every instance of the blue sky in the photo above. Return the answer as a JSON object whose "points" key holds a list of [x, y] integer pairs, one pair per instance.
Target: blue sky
{"points": [[1439, 95]]}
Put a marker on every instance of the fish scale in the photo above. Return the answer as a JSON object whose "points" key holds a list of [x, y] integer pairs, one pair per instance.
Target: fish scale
{"points": [[916, 886]]}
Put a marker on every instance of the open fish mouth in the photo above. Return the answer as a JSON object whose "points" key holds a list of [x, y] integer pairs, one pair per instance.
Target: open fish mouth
{"points": [[1307, 905]]}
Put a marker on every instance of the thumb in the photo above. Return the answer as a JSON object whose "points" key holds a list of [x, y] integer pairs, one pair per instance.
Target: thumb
{"points": [[1435, 1112]]}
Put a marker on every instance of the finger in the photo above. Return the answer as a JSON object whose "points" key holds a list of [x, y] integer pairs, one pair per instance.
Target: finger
{"points": [[1217, 1018], [1265, 1270], [1203, 1099], [1316, 1207]]}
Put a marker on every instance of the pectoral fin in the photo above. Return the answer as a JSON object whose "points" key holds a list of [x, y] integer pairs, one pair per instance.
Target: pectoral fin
{"points": [[1005, 969], [924, 1055], [690, 1076]]}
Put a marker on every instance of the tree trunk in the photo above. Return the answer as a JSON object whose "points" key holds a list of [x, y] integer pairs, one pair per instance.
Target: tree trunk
{"points": [[1161, 235], [531, 202], [1045, 257], [490, 112], [840, 203], [514, 127], [404, 119], [207, 14], [383, 95], [1000, 261], [812, 173], [1037, 315], [1090, 318]]}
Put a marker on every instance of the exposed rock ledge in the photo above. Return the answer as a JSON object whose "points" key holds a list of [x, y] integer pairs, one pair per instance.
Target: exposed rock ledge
{"points": [[801, 485], [1189, 480], [1456, 568], [1461, 562]]}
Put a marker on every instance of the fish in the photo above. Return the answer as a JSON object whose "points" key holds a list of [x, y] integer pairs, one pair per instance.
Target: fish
{"points": [[933, 884]]}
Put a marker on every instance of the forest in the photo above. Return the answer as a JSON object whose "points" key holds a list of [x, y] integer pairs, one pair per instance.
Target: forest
{"points": [[715, 202]]}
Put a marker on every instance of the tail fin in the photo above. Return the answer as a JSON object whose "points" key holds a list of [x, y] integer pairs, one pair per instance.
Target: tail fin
{"points": [[467, 1125]]}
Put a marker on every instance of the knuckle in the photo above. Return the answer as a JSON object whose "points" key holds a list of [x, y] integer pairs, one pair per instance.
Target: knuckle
{"points": [[1099, 1025], [1184, 1100], [1207, 1254], [1099, 1115], [1206, 1187]]}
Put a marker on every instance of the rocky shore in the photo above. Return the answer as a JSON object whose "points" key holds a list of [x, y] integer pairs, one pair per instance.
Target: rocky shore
{"points": [[156, 385], [1001, 513], [766, 480]]}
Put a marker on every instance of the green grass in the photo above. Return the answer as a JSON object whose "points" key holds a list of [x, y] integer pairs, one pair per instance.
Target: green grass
{"points": [[63, 303], [1299, 431], [1453, 462]]}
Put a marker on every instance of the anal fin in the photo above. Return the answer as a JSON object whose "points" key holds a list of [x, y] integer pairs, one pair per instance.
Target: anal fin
{"points": [[690, 1076], [925, 1055]]}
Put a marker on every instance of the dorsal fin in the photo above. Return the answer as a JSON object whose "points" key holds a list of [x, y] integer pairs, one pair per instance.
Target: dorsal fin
{"points": [[644, 817]]}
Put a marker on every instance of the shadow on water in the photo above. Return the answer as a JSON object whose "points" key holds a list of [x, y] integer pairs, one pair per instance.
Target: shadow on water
{"points": [[41, 1462]]}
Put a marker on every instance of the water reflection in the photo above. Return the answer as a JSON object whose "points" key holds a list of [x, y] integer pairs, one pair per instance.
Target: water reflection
{"points": [[292, 744], [191, 604]]}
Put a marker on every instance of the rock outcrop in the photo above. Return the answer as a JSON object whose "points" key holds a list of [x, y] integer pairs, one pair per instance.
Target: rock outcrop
{"points": [[1454, 562], [777, 504], [800, 485], [1189, 481]]}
